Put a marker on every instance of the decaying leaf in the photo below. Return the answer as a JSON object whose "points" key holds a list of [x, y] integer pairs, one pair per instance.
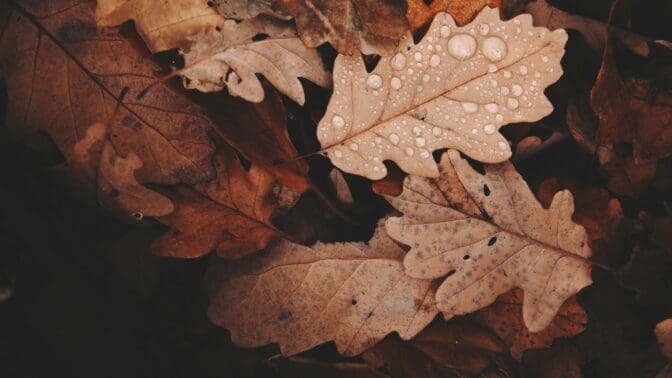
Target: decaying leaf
{"points": [[503, 317], [300, 297], [220, 53], [231, 214], [488, 234], [232, 57], [562, 360], [420, 14], [64, 75], [369, 26], [632, 111], [454, 89], [163, 26], [444, 349], [299, 366], [244, 9], [663, 333]]}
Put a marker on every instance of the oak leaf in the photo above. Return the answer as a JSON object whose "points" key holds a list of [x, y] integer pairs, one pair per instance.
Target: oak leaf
{"points": [[444, 349], [244, 9], [301, 297], [663, 332], [64, 75], [454, 89], [504, 318], [420, 13], [369, 26], [488, 234], [230, 214], [221, 53]]}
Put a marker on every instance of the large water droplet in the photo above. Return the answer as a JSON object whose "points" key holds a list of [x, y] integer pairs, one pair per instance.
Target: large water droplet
{"points": [[374, 81], [469, 107], [417, 56], [462, 46], [517, 90], [522, 69], [494, 48], [512, 103], [394, 138], [491, 107], [445, 31], [435, 60], [420, 141], [399, 61], [338, 121], [395, 83], [503, 146], [489, 129]]}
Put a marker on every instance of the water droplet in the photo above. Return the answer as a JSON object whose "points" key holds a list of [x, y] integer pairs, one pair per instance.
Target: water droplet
{"points": [[399, 61], [517, 90], [435, 60], [417, 56], [492, 68], [394, 138], [378, 140], [417, 130], [420, 141], [462, 46], [469, 107], [374, 81], [424, 154], [489, 129], [484, 29], [544, 58], [499, 118], [494, 48], [409, 71], [354, 146], [507, 74], [409, 151], [491, 107], [512, 103], [425, 78], [503, 146], [395, 83], [504, 90], [436, 131], [523, 69], [445, 31], [418, 88], [338, 121], [494, 83], [516, 21]]}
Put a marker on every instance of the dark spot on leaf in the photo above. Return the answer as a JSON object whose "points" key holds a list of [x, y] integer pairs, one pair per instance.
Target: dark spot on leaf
{"points": [[260, 37], [492, 241], [354, 301], [76, 31], [486, 190], [114, 193], [284, 315], [370, 315], [466, 257]]}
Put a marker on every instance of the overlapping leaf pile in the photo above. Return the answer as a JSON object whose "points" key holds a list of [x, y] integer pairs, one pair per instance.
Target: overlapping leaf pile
{"points": [[227, 160]]}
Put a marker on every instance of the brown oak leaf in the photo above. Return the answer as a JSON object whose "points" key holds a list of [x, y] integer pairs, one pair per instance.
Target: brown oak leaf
{"points": [[487, 234], [504, 318], [420, 13], [453, 89], [300, 297]]}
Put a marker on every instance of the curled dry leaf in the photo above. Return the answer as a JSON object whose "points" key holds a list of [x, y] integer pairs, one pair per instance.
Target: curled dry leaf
{"points": [[220, 53], [420, 14], [454, 89], [231, 214], [444, 349], [300, 297], [369, 26], [488, 234], [504, 318], [64, 75]]}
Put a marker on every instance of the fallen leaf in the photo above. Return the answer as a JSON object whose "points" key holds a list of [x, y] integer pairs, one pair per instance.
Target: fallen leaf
{"points": [[119, 189], [259, 132], [593, 32], [488, 234], [300, 297], [350, 26], [220, 53], [343, 193], [561, 361], [231, 214], [64, 75], [420, 13], [663, 333], [454, 89], [85, 156], [244, 9], [504, 318], [233, 56], [444, 349], [532, 145], [297, 366], [632, 111], [163, 26]]}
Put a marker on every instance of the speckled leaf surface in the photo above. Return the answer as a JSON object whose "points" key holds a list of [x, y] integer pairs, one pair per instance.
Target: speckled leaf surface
{"points": [[487, 234], [300, 297], [454, 89]]}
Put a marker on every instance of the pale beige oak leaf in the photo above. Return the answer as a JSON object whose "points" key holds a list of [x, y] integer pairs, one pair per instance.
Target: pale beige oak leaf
{"points": [[300, 297], [454, 89], [487, 234]]}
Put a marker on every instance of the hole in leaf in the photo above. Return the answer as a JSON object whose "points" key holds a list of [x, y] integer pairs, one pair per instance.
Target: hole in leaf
{"points": [[259, 37], [371, 61], [492, 241], [486, 190], [218, 28], [211, 4], [354, 301], [466, 257], [114, 193]]}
